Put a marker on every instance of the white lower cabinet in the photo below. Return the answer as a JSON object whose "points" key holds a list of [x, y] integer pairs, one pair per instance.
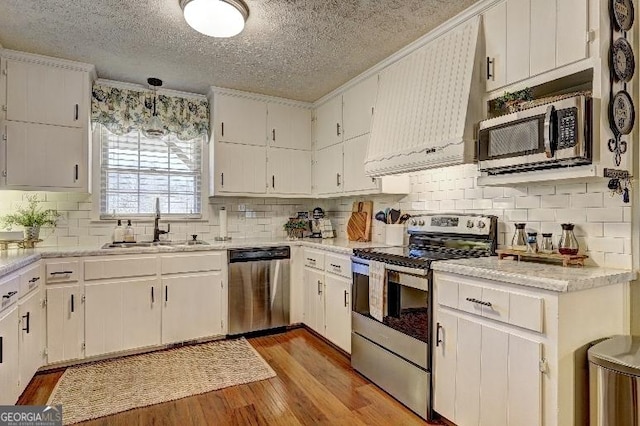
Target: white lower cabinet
{"points": [[9, 371], [314, 300], [190, 307], [485, 376], [141, 313], [31, 336], [65, 323], [327, 296], [122, 315], [515, 355], [337, 301]]}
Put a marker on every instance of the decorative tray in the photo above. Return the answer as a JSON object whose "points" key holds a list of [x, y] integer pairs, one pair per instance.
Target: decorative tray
{"points": [[26, 244], [566, 259]]}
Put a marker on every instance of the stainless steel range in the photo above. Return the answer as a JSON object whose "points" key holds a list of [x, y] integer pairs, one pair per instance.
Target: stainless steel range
{"points": [[391, 338]]}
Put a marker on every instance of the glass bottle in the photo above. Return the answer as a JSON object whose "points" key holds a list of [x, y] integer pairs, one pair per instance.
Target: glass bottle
{"points": [[568, 243], [546, 245], [519, 241], [532, 242]]}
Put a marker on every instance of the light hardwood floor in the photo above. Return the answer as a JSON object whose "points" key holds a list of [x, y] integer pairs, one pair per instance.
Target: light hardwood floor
{"points": [[315, 385]]}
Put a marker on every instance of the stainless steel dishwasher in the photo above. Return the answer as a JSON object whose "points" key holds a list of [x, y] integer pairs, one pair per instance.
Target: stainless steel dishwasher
{"points": [[258, 289]]}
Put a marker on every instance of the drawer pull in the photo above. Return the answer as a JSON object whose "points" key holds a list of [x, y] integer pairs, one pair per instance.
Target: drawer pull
{"points": [[9, 295], [311, 260], [34, 279], [335, 266], [61, 273], [479, 302]]}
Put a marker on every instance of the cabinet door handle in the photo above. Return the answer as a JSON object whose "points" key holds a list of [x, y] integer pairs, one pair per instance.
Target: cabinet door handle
{"points": [[338, 179], [346, 302], [438, 339], [153, 298], [319, 287], [490, 66], [222, 125], [338, 129], [73, 304], [77, 172], [26, 317], [166, 293], [77, 112], [273, 181], [273, 135], [1, 348], [222, 179]]}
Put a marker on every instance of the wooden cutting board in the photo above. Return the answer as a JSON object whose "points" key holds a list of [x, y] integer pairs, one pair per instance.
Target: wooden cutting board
{"points": [[360, 231]]}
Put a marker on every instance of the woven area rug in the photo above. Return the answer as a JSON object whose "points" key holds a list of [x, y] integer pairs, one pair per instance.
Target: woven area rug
{"points": [[108, 387]]}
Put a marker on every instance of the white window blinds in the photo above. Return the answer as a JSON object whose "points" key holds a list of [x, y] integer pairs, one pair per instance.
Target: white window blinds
{"points": [[135, 170]]}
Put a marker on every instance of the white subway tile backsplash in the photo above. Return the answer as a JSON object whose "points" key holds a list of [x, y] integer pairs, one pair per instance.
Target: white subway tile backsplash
{"points": [[493, 192], [571, 215], [604, 214], [587, 200], [528, 202], [558, 201], [542, 190], [542, 215], [617, 229], [571, 188]]}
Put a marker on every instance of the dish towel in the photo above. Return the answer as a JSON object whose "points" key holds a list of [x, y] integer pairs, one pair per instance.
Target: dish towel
{"points": [[377, 290]]}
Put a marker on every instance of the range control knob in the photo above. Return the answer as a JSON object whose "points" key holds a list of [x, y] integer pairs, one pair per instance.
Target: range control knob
{"points": [[481, 224], [469, 224], [413, 222], [421, 222]]}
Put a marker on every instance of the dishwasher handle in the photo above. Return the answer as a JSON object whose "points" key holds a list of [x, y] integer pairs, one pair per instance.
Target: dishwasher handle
{"points": [[259, 253]]}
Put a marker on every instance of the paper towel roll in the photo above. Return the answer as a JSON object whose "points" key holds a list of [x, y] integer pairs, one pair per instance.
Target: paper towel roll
{"points": [[223, 222]]}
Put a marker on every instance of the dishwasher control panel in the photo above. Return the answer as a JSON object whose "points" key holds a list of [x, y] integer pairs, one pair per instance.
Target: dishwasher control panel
{"points": [[260, 253]]}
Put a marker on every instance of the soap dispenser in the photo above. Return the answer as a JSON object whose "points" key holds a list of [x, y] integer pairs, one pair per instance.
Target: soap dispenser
{"points": [[118, 232], [129, 234]]}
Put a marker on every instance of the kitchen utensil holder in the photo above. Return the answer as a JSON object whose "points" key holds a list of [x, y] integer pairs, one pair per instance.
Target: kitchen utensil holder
{"points": [[394, 234]]}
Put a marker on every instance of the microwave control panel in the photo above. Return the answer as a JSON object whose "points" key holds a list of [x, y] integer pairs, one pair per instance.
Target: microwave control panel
{"points": [[567, 127]]}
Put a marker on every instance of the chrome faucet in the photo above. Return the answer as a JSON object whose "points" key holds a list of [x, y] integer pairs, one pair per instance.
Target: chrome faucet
{"points": [[156, 229]]}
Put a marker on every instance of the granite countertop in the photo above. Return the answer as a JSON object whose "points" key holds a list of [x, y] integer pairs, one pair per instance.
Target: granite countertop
{"points": [[12, 260], [539, 275]]}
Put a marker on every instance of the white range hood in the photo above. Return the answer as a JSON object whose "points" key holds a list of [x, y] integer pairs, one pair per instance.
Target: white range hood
{"points": [[428, 106]]}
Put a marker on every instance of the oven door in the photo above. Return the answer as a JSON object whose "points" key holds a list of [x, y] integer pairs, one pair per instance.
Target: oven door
{"points": [[405, 327]]}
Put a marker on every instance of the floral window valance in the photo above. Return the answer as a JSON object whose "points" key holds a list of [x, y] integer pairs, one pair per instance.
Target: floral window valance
{"points": [[124, 110]]}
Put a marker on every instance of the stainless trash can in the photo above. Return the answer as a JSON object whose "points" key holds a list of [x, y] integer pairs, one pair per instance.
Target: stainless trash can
{"points": [[614, 382]]}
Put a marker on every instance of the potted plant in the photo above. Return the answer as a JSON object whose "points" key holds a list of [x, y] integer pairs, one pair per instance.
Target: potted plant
{"points": [[512, 102], [31, 217], [295, 228]]}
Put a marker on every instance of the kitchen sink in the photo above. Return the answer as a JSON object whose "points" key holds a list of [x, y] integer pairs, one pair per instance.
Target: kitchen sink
{"points": [[153, 244]]}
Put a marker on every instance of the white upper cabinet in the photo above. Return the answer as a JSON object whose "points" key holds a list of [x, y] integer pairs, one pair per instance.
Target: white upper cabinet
{"points": [[524, 38], [358, 105], [239, 120], [289, 171], [543, 36], [355, 151], [328, 170], [47, 95], [240, 168], [289, 126], [43, 156], [329, 123], [518, 37], [494, 23], [572, 27]]}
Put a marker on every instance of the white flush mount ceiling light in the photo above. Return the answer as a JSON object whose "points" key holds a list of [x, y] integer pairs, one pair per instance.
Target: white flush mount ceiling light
{"points": [[215, 18]]}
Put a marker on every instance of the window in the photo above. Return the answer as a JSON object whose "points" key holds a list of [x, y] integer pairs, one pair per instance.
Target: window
{"points": [[135, 170]]}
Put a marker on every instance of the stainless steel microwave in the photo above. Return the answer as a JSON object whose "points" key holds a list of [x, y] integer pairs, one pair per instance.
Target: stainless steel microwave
{"points": [[556, 134]]}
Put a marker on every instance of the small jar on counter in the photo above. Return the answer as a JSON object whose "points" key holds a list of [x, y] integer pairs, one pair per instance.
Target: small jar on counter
{"points": [[532, 242], [546, 245]]}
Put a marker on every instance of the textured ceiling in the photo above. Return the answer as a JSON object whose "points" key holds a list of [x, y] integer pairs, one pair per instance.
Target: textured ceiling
{"points": [[298, 49]]}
